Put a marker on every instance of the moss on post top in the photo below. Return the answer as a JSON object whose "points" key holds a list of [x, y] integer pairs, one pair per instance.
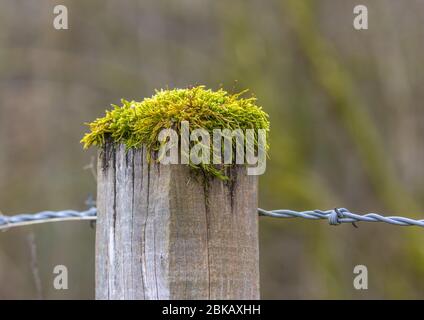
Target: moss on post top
{"points": [[139, 123]]}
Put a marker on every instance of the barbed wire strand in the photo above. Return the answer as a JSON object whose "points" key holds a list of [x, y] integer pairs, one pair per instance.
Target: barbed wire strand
{"points": [[334, 217], [341, 215], [7, 222]]}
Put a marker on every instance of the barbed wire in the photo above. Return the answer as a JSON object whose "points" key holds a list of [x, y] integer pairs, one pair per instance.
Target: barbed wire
{"points": [[341, 215], [7, 222], [334, 217]]}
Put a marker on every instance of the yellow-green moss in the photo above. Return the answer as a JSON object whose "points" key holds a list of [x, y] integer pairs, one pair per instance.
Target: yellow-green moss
{"points": [[139, 123]]}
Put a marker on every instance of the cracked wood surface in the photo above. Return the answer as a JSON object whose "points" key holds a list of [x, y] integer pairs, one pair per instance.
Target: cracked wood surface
{"points": [[162, 233]]}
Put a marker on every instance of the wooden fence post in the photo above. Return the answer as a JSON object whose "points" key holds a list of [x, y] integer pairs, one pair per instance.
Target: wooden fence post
{"points": [[163, 233]]}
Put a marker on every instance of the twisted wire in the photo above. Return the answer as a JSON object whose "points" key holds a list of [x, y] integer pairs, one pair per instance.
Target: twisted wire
{"points": [[7, 222], [334, 217], [341, 215]]}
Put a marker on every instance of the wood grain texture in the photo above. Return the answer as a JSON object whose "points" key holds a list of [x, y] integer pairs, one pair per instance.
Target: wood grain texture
{"points": [[163, 233]]}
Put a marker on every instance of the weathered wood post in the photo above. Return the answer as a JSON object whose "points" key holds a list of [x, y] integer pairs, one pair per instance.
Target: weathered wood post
{"points": [[164, 234], [170, 226]]}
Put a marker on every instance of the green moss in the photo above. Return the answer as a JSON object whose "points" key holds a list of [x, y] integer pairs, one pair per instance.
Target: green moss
{"points": [[139, 123]]}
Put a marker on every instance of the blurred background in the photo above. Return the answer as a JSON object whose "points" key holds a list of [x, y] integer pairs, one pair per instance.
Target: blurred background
{"points": [[346, 117]]}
